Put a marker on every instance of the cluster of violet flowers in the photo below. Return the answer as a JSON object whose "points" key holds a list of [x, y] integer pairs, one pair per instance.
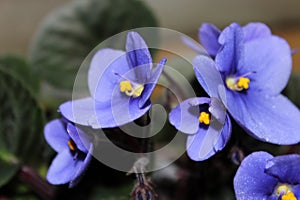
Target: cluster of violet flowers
{"points": [[243, 76], [120, 85]]}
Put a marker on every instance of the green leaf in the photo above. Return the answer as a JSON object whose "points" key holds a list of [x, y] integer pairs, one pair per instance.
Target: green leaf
{"points": [[111, 193], [21, 122], [7, 172], [9, 166], [21, 70], [71, 32], [292, 89]]}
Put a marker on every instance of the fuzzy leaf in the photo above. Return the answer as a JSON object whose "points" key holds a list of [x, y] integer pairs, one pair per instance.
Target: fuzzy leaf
{"points": [[21, 124], [71, 32], [117, 193], [9, 166], [20, 69]]}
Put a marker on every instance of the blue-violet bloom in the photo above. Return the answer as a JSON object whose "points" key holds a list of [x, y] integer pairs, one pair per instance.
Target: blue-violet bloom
{"points": [[73, 157], [254, 74], [204, 120], [120, 85], [208, 36], [264, 177]]}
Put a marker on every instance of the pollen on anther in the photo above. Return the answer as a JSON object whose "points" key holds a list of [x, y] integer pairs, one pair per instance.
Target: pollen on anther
{"points": [[243, 83], [131, 89], [204, 118], [125, 86], [71, 145], [289, 196]]}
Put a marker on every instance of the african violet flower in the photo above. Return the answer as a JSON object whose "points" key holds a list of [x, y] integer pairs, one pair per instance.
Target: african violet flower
{"points": [[72, 158], [208, 35], [205, 121], [120, 84], [262, 176], [254, 73]]}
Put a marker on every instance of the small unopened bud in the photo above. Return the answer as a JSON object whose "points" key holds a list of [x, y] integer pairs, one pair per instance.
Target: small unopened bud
{"points": [[143, 193], [143, 190], [236, 155]]}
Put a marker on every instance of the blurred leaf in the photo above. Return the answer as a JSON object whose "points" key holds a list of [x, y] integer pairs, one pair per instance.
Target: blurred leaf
{"points": [[21, 120], [71, 32], [293, 88], [108, 193], [9, 166], [7, 172], [21, 70]]}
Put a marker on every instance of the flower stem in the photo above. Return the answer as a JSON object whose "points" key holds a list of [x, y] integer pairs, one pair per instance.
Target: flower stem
{"points": [[143, 190], [36, 182], [145, 141]]}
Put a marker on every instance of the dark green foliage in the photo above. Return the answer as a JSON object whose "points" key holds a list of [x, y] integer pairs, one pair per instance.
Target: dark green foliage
{"points": [[9, 166], [71, 32], [21, 118], [20, 68]]}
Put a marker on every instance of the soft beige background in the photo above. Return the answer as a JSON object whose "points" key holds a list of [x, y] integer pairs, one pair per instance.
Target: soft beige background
{"points": [[189, 14], [19, 19]]}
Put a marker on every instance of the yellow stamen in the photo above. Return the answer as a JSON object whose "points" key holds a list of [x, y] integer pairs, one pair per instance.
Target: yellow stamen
{"points": [[243, 83], [125, 86], [72, 145], [282, 189], [285, 191], [134, 91], [138, 91], [204, 118], [237, 85], [289, 196]]}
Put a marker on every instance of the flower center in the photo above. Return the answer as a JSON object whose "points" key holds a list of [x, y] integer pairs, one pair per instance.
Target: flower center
{"points": [[285, 191], [237, 84], [204, 118], [72, 146], [131, 89]]}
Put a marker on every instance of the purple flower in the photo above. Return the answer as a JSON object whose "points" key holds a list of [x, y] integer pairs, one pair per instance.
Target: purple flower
{"points": [[208, 35], [254, 73], [72, 158], [120, 84], [204, 120], [262, 176]]}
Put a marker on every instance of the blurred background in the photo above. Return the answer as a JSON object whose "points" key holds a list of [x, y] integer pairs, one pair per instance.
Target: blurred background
{"points": [[19, 19], [43, 43]]}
